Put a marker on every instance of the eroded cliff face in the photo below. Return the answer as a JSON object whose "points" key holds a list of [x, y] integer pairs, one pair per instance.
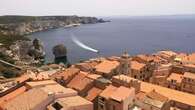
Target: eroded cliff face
{"points": [[22, 25]]}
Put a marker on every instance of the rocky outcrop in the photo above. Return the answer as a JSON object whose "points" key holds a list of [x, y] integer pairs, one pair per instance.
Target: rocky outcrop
{"points": [[59, 50], [26, 52], [36, 51], [22, 25], [60, 53]]}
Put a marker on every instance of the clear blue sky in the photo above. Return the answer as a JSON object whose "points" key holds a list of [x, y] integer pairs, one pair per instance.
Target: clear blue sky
{"points": [[96, 7]]}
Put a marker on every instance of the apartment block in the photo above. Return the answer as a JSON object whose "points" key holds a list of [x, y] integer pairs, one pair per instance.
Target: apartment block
{"points": [[188, 82], [116, 98]]}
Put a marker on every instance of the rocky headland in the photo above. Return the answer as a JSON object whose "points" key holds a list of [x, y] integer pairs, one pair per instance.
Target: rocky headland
{"points": [[22, 25]]}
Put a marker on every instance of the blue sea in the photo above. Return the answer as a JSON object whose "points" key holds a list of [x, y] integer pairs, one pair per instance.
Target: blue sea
{"points": [[136, 35]]}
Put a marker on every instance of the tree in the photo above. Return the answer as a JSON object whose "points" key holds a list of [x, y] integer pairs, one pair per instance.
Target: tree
{"points": [[10, 73]]}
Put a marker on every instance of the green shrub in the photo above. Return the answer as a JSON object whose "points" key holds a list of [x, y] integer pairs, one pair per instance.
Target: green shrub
{"points": [[10, 73]]}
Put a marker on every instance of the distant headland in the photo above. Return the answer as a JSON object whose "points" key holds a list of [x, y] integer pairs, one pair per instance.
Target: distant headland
{"points": [[22, 25]]}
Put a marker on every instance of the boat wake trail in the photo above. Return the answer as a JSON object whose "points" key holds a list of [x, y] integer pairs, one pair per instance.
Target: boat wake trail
{"points": [[82, 45]]}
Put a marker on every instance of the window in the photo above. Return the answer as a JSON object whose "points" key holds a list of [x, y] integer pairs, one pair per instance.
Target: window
{"points": [[102, 99], [113, 107], [57, 106], [100, 106], [135, 76]]}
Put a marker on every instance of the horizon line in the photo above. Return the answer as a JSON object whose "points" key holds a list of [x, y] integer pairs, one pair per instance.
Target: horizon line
{"points": [[149, 15]]}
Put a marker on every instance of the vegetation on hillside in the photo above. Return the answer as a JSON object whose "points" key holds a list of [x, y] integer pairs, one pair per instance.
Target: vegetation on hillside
{"points": [[8, 40], [15, 19], [21, 19], [7, 71]]}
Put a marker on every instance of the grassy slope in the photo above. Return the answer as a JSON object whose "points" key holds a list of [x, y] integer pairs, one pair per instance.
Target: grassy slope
{"points": [[15, 19], [7, 40]]}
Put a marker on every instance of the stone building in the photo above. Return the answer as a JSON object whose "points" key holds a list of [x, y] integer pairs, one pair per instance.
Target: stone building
{"points": [[139, 71], [188, 82], [116, 98], [174, 81]]}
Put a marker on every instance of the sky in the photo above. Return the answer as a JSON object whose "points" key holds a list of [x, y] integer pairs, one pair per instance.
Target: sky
{"points": [[97, 7]]}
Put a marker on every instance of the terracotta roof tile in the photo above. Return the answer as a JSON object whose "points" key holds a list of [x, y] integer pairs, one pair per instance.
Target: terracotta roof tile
{"points": [[168, 53], [87, 65], [189, 75], [93, 76], [93, 93], [107, 66], [66, 73], [12, 95], [122, 93], [156, 96], [189, 65], [80, 81], [189, 58], [145, 58], [175, 95], [72, 102], [34, 84], [175, 76], [136, 65], [106, 93], [22, 102]]}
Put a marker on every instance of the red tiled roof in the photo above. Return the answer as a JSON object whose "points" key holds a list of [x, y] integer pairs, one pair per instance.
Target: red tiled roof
{"points": [[145, 58], [189, 75], [189, 58], [175, 76], [12, 95], [66, 73], [93, 76], [93, 93], [136, 65], [122, 93], [108, 91], [157, 96], [172, 94], [87, 65], [80, 81], [107, 66]]}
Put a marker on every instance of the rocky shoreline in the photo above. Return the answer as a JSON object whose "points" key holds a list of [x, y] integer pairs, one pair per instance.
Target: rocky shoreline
{"points": [[16, 49], [23, 25]]}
